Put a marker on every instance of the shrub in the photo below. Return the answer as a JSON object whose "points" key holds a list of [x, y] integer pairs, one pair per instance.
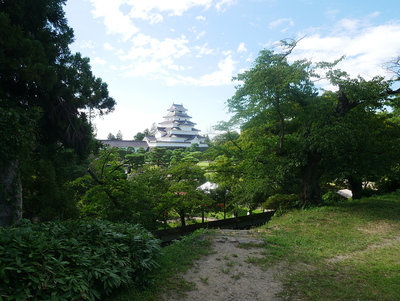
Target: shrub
{"points": [[73, 260], [281, 202], [331, 197]]}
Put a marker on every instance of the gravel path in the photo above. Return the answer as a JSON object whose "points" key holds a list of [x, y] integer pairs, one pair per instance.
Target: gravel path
{"points": [[228, 274]]}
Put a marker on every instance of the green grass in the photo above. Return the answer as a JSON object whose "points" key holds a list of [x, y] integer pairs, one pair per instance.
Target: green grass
{"points": [[349, 251], [241, 212], [177, 258]]}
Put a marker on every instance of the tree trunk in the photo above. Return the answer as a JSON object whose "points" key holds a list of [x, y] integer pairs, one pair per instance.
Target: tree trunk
{"points": [[355, 187], [182, 216], [10, 194], [310, 175]]}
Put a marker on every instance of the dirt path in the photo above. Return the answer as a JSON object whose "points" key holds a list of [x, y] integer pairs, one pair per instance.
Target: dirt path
{"points": [[228, 274]]}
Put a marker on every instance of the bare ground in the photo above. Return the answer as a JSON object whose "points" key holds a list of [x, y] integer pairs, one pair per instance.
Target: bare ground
{"points": [[228, 274]]}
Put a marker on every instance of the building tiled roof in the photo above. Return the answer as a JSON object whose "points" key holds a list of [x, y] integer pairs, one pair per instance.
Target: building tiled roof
{"points": [[151, 138], [176, 107], [177, 114], [178, 122], [124, 143]]}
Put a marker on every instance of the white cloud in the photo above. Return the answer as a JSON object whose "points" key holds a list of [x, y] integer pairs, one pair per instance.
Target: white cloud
{"points": [[144, 68], [366, 47], [242, 48], [227, 52], [86, 44], [108, 46], [172, 7], [222, 76], [150, 55], [201, 19], [145, 46], [152, 11], [114, 20], [220, 5], [200, 35], [149, 10], [287, 22], [332, 13], [98, 61], [204, 50]]}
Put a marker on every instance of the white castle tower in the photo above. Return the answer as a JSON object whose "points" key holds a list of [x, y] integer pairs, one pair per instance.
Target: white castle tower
{"points": [[176, 131]]}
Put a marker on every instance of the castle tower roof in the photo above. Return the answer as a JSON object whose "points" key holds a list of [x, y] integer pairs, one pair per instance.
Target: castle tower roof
{"points": [[177, 130]]}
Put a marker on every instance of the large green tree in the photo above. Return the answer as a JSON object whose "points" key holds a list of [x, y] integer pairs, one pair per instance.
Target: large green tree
{"points": [[292, 136], [47, 96]]}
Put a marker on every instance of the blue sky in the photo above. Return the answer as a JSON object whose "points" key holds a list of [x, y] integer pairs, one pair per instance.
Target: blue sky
{"points": [[153, 53]]}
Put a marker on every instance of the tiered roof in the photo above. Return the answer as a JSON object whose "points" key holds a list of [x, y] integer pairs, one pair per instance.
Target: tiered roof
{"points": [[176, 129]]}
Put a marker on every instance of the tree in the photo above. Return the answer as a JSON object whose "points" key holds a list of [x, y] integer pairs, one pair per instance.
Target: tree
{"points": [[183, 196], [139, 136], [106, 192], [147, 132], [273, 95], [45, 90], [119, 136], [371, 136], [111, 136], [136, 160], [292, 136], [159, 156]]}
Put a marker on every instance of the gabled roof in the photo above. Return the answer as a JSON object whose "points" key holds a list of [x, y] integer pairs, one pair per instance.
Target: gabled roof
{"points": [[176, 107], [150, 138]]}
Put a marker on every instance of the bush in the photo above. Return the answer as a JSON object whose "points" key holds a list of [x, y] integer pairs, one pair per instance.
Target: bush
{"points": [[331, 197], [73, 260], [281, 202]]}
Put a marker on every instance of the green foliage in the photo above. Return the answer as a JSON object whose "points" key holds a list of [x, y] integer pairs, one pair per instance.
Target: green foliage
{"points": [[331, 197], [147, 195], [139, 136], [47, 94], [47, 196], [159, 156], [107, 193], [182, 195], [390, 182], [73, 260], [175, 259], [282, 202], [16, 130], [293, 139]]}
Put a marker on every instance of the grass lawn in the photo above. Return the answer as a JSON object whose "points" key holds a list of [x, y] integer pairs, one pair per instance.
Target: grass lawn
{"points": [[349, 251]]}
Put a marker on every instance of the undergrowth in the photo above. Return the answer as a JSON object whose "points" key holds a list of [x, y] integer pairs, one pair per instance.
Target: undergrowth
{"points": [[74, 260], [176, 259]]}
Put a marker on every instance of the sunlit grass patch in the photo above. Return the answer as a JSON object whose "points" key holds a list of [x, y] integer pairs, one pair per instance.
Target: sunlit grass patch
{"points": [[350, 250]]}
